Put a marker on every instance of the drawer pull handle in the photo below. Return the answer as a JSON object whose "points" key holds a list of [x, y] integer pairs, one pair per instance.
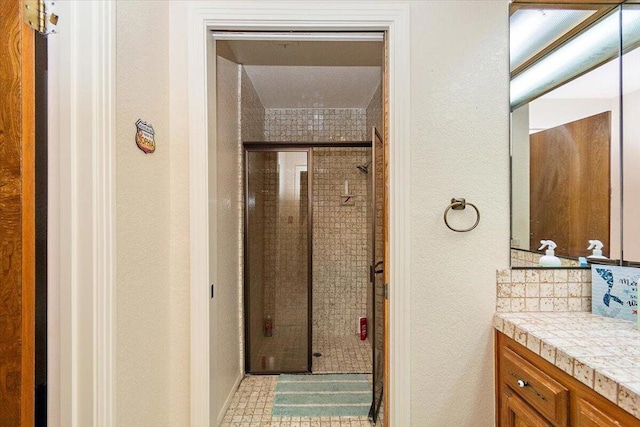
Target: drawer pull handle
{"points": [[522, 383]]}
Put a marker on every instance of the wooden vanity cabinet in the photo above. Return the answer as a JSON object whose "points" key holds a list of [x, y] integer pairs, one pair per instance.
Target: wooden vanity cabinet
{"points": [[531, 392]]}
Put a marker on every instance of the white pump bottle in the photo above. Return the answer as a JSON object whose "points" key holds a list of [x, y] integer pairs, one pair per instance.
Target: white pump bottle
{"points": [[596, 245], [549, 259]]}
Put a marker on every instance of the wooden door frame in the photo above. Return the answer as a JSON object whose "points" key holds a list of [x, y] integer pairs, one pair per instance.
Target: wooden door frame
{"points": [[392, 17], [17, 203], [81, 315]]}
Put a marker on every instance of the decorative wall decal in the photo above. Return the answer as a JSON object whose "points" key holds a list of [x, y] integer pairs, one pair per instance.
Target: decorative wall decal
{"points": [[145, 137], [614, 291]]}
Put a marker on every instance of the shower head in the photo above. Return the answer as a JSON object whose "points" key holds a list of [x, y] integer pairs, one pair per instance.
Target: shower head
{"points": [[365, 167]]}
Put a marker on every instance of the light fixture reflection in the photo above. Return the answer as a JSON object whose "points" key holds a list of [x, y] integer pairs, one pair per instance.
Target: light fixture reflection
{"points": [[587, 50], [531, 30]]}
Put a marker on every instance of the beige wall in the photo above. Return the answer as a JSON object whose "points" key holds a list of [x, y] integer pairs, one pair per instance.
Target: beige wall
{"points": [[459, 148], [143, 217]]}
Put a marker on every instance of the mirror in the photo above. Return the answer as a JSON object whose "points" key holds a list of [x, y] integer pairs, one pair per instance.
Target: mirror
{"points": [[572, 121], [631, 133]]}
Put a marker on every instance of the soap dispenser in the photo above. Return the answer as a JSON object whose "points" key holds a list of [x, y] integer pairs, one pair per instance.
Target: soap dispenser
{"points": [[596, 245], [549, 259]]}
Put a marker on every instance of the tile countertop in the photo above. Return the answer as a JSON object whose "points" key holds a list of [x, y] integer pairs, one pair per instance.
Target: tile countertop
{"points": [[601, 352]]}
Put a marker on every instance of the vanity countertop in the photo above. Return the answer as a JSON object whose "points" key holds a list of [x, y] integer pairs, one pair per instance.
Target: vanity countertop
{"points": [[601, 352]]}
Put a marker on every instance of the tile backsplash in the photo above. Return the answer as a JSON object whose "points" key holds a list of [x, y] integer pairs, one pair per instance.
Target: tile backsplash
{"points": [[543, 290]]}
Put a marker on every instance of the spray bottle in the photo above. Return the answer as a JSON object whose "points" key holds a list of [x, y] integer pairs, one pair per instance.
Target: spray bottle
{"points": [[549, 259], [596, 245]]}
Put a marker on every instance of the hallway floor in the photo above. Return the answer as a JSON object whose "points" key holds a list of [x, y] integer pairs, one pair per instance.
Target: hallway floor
{"points": [[344, 354], [252, 404]]}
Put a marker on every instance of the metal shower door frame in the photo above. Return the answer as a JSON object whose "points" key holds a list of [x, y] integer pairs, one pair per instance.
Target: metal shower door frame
{"points": [[277, 147]]}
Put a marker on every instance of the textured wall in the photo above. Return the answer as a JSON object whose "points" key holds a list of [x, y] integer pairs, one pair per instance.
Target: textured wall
{"points": [[341, 254], [631, 137], [459, 148], [143, 217], [315, 124], [224, 175]]}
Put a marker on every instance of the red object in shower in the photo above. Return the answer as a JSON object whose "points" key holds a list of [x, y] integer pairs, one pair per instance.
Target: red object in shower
{"points": [[363, 328]]}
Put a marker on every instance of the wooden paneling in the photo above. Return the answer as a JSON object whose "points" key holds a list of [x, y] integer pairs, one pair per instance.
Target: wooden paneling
{"points": [[17, 236], [570, 185]]}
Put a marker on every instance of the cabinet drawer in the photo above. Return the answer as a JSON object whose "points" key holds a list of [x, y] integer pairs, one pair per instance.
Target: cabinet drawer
{"points": [[538, 389]]}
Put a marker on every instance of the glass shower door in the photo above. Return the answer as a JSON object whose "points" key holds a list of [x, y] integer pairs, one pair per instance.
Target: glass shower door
{"points": [[277, 267]]}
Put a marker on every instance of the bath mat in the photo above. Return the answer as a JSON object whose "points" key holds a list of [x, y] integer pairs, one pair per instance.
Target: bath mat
{"points": [[340, 395]]}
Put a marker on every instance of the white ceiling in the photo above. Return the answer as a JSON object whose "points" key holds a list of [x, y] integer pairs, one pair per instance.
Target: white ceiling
{"points": [[603, 82], [307, 74], [314, 86]]}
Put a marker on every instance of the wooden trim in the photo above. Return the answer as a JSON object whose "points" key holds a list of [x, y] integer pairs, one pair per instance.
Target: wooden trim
{"points": [[28, 227], [81, 378]]}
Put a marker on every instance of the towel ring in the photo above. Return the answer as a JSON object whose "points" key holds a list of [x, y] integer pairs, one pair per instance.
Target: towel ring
{"points": [[460, 204]]}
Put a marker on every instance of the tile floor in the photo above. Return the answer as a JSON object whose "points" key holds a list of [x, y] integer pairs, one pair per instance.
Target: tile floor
{"points": [[251, 406], [344, 354]]}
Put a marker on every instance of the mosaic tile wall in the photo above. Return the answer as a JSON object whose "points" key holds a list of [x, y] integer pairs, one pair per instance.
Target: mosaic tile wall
{"points": [[374, 111], [251, 126], [521, 258], [543, 290], [315, 124], [340, 243], [252, 119]]}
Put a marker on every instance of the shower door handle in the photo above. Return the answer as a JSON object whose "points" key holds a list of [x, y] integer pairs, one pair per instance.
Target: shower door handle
{"points": [[373, 270], [379, 264]]}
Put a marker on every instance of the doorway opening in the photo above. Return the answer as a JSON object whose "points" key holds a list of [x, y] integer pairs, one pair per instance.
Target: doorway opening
{"points": [[305, 130]]}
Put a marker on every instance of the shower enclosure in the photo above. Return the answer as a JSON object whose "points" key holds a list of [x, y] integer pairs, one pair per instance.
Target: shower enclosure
{"points": [[314, 232]]}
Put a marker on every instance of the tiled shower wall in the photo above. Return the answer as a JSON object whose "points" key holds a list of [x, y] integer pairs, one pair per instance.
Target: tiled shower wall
{"points": [[251, 125], [374, 112], [315, 124], [341, 234], [252, 119], [340, 240]]}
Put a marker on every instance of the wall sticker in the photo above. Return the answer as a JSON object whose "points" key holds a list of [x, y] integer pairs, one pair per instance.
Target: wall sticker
{"points": [[145, 139]]}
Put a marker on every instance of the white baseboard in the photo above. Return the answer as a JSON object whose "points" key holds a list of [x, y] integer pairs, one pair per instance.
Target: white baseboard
{"points": [[227, 401]]}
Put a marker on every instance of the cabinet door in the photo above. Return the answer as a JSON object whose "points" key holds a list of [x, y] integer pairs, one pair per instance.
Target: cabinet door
{"points": [[517, 413], [588, 415]]}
